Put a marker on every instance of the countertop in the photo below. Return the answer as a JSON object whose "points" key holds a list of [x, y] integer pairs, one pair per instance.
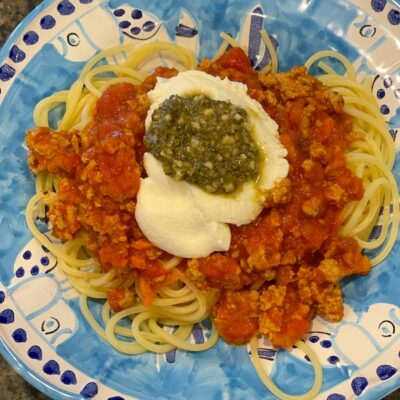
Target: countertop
{"points": [[12, 386]]}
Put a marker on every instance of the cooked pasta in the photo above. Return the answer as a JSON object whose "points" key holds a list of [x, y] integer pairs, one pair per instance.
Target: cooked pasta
{"points": [[371, 158], [179, 304]]}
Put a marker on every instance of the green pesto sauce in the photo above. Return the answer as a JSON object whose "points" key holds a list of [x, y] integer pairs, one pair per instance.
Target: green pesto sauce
{"points": [[203, 141]]}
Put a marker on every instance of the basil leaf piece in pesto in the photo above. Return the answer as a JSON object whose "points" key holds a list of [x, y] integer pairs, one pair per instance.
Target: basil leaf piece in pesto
{"points": [[204, 142]]}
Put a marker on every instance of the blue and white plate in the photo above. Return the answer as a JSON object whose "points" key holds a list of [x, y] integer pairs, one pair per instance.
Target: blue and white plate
{"points": [[43, 335]]}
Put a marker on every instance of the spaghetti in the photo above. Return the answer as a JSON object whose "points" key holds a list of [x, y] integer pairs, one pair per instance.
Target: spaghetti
{"points": [[168, 321], [371, 159]]}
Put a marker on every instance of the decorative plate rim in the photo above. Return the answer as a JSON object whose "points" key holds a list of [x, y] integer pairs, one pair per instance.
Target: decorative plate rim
{"points": [[18, 364]]}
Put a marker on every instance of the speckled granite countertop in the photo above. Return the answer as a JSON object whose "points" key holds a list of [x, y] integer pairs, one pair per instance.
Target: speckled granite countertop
{"points": [[12, 386]]}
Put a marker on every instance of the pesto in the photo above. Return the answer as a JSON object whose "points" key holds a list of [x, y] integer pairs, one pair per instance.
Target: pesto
{"points": [[203, 141]]}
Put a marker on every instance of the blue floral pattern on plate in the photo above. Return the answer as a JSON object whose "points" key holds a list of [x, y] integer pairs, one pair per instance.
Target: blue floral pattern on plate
{"points": [[43, 334]]}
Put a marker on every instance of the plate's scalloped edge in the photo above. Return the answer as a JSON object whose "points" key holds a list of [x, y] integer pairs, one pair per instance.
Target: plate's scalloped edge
{"points": [[27, 375], [21, 26], [5, 351], [380, 392], [12, 64], [19, 366]]}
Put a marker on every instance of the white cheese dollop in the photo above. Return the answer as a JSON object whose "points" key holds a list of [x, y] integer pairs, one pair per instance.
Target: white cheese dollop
{"points": [[185, 220], [167, 215]]}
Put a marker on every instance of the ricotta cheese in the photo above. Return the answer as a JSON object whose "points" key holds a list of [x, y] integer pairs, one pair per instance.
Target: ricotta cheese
{"points": [[184, 220]]}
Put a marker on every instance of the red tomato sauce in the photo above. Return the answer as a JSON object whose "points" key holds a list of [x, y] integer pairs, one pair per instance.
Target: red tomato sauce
{"points": [[283, 268]]}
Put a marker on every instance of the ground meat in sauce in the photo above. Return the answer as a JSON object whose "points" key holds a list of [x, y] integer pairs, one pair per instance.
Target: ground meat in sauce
{"points": [[100, 169], [292, 253], [283, 268]]}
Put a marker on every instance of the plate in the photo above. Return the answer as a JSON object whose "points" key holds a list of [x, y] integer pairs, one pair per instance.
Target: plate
{"points": [[43, 335]]}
